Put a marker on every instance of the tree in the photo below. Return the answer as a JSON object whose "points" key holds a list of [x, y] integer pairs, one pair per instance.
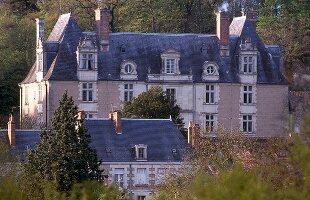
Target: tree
{"points": [[63, 156], [153, 104]]}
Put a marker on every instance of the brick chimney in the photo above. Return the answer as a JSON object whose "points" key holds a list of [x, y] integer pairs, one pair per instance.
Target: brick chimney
{"points": [[40, 31], [116, 117], [102, 16], [222, 31], [252, 16], [11, 130]]}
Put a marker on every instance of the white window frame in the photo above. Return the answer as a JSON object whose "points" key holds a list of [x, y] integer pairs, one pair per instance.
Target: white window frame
{"points": [[141, 176], [171, 94], [248, 94], [119, 175], [247, 124], [128, 92], [210, 94], [248, 64], [87, 61], [141, 149], [210, 122], [88, 91], [170, 65], [210, 69], [141, 197]]}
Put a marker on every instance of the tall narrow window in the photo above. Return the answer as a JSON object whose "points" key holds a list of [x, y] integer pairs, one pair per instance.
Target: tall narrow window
{"points": [[170, 66], [141, 176], [40, 62], [128, 92], [247, 123], [170, 92], [210, 94], [209, 123], [119, 177], [87, 61], [40, 94], [248, 64], [87, 91], [247, 94], [26, 95]]}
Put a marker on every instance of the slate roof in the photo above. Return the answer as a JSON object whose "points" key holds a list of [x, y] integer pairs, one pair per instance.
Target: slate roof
{"points": [[160, 136], [145, 49]]}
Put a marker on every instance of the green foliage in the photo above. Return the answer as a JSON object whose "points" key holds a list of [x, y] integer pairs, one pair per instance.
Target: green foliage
{"points": [[153, 104], [63, 156], [274, 168], [287, 22]]}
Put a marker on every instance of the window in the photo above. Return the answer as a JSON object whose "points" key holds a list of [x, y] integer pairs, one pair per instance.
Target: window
{"points": [[210, 70], [87, 61], [141, 197], [128, 68], [128, 92], [140, 152], [26, 96], [89, 115], [119, 177], [247, 123], [40, 62], [248, 64], [40, 94], [209, 123], [247, 94], [87, 91], [170, 66], [210, 94], [170, 92], [141, 176]]}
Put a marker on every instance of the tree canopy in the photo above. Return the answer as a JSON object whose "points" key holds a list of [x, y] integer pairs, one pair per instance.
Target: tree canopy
{"points": [[153, 104], [63, 155]]}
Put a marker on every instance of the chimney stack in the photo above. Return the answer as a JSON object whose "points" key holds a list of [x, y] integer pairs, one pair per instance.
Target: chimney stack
{"points": [[252, 16], [40, 31], [11, 130], [116, 117], [102, 16], [222, 31]]}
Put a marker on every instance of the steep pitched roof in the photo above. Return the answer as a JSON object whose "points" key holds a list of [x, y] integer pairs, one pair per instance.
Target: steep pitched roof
{"points": [[145, 50], [160, 136]]}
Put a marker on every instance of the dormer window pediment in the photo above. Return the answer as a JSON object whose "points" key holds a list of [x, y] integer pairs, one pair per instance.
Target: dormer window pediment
{"points": [[170, 60], [210, 71], [87, 54]]}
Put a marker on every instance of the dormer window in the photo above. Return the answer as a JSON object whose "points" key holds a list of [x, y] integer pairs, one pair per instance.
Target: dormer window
{"points": [[170, 59], [129, 70], [210, 71], [140, 152], [170, 66], [87, 53], [248, 64], [87, 61]]}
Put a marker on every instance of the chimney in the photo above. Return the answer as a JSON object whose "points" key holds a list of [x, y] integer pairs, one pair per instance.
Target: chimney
{"points": [[40, 31], [222, 31], [116, 117], [11, 130], [252, 16], [102, 16]]}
